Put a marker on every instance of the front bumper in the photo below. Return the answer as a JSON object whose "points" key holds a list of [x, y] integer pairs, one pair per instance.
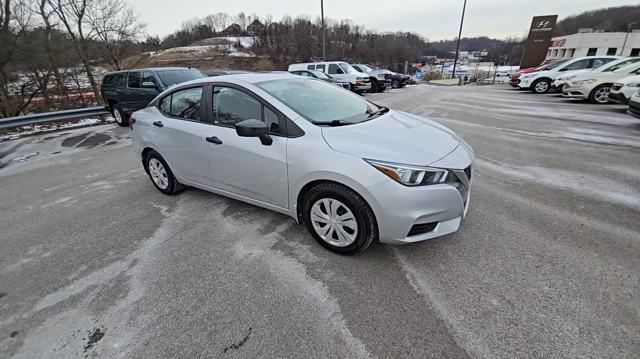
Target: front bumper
{"points": [[413, 214], [580, 92], [618, 97], [634, 107], [525, 83], [362, 86]]}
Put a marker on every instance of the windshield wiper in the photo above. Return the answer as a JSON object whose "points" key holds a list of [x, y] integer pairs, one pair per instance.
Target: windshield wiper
{"points": [[332, 123], [377, 113]]}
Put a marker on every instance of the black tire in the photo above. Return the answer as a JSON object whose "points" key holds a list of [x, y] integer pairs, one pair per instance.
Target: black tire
{"points": [[365, 220], [596, 94], [541, 86], [381, 87], [374, 86], [395, 84], [173, 186], [120, 116]]}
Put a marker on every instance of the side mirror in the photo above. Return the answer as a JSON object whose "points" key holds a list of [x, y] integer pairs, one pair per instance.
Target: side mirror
{"points": [[149, 85], [254, 128]]}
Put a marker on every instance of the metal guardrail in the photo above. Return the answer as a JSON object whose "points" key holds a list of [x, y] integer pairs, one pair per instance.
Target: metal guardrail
{"points": [[11, 122]]}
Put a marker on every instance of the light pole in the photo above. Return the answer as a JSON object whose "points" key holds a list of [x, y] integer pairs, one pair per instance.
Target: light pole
{"points": [[627, 36], [464, 7], [324, 50]]}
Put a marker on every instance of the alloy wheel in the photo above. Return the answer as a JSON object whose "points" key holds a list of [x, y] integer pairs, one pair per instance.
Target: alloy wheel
{"points": [[117, 116], [602, 95], [542, 87], [334, 222], [158, 173]]}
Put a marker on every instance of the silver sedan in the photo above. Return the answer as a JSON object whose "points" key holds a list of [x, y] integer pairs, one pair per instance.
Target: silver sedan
{"points": [[352, 171]]}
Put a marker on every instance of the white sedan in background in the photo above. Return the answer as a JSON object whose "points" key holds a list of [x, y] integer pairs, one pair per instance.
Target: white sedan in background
{"points": [[610, 67], [595, 86]]}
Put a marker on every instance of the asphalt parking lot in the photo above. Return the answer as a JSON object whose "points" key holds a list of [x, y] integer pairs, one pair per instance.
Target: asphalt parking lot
{"points": [[95, 262]]}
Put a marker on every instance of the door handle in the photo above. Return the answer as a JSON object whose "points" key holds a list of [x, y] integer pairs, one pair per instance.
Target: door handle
{"points": [[158, 124], [213, 139]]}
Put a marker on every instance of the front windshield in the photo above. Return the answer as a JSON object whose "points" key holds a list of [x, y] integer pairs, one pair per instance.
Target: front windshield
{"points": [[620, 66], [365, 68], [320, 102], [348, 69], [320, 75], [173, 77], [627, 69]]}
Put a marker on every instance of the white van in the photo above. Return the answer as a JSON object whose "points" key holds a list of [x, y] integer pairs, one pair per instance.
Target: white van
{"points": [[341, 70]]}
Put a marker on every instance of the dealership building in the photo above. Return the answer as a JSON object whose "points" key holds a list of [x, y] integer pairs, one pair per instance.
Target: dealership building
{"points": [[589, 43]]}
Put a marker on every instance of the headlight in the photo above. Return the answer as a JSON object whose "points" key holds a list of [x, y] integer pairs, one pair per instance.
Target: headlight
{"points": [[567, 78], [410, 175], [585, 82], [633, 84], [527, 76]]}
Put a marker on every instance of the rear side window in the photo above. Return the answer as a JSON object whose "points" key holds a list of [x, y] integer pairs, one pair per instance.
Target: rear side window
{"points": [[183, 104], [311, 67], [578, 65], [114, 80], [320, 68], [134, 80]]}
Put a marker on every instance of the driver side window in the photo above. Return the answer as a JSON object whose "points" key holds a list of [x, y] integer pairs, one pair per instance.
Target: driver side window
{"points": [[334, 69], [231, 106]]}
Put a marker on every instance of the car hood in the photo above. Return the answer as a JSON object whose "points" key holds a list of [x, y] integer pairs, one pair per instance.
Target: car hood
{"points": [[629, 79], [397, 137]]}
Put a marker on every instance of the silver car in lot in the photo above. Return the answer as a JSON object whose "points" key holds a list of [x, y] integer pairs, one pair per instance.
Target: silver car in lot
{"points": [[350, 170]]}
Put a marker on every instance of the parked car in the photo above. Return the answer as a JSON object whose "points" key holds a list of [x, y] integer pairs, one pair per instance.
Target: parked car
{"points": [[595, 86], [127, 91], [622, 90], [540, 81], [634, 104], [359, 81], [322, 76], [546, 65], [611, 66], [352, 171], [380, 79]]}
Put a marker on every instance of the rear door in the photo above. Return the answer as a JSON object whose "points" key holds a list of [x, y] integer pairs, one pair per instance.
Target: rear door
{"points": [[136, 97], [180, 133]]}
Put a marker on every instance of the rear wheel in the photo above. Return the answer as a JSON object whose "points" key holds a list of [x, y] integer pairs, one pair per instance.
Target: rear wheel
{"points": [[160, 174], [120, 116], [541, 86], [339, 219], [600, 94]]}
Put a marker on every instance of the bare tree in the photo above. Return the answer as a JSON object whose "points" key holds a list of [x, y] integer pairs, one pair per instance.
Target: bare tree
{"points": [[45, 12], [115, 25], [218, 22]]}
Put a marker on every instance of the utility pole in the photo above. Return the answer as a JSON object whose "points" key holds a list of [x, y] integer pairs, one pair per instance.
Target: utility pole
{"points": [[629, 26], [464, 7], [324, 49]]}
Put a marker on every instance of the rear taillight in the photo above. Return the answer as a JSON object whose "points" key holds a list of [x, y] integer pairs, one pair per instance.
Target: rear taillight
{"points": [[131, 122]]}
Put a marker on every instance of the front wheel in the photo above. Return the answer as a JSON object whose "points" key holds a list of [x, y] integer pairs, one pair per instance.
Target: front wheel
{"points": [[541, 86], [600, 94], [395, 84], [339, 219]]}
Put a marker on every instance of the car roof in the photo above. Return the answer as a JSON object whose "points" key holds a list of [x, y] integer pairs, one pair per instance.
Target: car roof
{"points": [[252, 77], [157, 69]]}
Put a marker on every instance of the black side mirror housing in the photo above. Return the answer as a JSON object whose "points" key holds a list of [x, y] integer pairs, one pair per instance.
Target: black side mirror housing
{"points": [[254, 128]]}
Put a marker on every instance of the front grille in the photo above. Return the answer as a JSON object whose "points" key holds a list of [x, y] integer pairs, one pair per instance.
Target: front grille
{"points": [[422, 228], [455, 182], [467, 171]]}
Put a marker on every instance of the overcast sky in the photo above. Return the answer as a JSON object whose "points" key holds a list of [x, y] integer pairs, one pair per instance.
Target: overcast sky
{"points": [[433, 19]]}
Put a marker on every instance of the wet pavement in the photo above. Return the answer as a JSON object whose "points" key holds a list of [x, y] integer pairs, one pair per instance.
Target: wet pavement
{"points": [[95, 262]]}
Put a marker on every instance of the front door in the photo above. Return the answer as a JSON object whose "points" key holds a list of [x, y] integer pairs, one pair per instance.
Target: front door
{"points": [[243, 165], [137, 97]]}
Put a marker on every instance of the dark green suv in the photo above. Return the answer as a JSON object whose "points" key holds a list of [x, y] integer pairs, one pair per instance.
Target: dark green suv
{"points": [[125, 92]]}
